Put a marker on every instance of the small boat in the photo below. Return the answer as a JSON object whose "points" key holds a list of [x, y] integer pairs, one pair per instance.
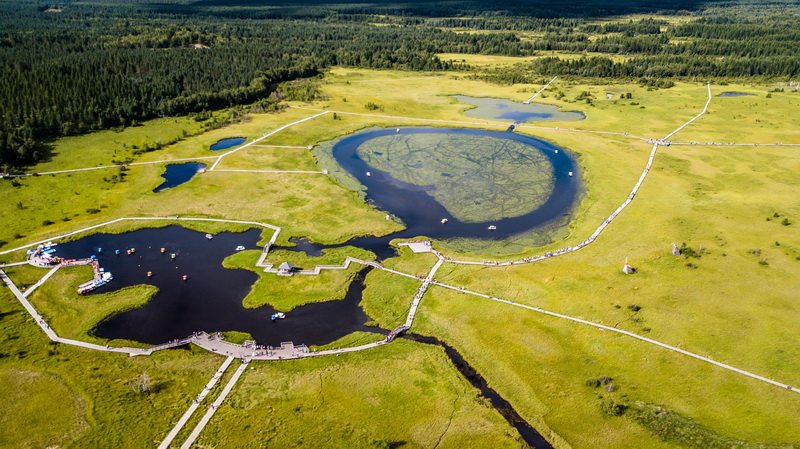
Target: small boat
{"points": [[556, 151], [570, 174], [149, 274], [369, 174], [185, 278], [444, 220], [492, 227], [173, 256], [163, 250], [397, 130], [209, 236], [240, 248], [277, 316], [99, 250], [116, 251]]}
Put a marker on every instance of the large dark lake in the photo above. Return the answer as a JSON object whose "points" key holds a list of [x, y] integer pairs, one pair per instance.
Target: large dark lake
{"points": [[211, 299]]}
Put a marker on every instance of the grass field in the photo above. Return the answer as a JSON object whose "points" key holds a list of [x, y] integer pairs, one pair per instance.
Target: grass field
{"points": [[731, 296], [402, 395]]}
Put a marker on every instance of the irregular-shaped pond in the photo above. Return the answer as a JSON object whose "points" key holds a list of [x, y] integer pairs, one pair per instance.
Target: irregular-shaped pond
{"points": [[211, 299], [226, 143], [501, 109], [735, 94], [177, 174]]}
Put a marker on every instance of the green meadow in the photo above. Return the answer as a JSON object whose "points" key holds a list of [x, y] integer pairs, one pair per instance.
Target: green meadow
{"points": [[731, 295]]}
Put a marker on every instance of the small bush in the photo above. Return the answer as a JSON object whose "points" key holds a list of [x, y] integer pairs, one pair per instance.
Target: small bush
{"points": [[634, 307], [786, 222], [47, 223], [92, 210]]}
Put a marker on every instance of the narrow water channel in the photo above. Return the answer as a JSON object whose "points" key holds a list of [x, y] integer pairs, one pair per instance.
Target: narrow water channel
{"points": [[530, 435]]}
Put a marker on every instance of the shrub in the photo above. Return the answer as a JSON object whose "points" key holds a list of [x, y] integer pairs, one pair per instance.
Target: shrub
{"points": [[92, 210]]}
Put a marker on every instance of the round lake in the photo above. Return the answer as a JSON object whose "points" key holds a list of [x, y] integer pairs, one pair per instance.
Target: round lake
{"points": [[473, 178]]}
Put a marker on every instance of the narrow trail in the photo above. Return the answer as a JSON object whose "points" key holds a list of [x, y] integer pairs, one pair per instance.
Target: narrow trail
{"points": [[165, 444], [502, 125], [106, 167], [528, 101], [623, 332], [269, 134], [609, 219]]}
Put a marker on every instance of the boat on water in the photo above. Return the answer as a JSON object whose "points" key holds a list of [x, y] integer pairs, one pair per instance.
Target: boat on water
{"points": [[100, 280], [240, 248], [209, 236], [277, 316], [492, 227], [570, 174], [444, 220], [369, 173]]}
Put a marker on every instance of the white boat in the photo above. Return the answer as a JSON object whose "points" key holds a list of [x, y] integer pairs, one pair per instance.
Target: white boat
{"points": [[570, 174], [277, 316], [444, 220], [240, 248], [369, 174], [209, 236], [492, 227]]}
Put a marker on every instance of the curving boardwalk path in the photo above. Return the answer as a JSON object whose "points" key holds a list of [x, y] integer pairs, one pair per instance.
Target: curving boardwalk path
{"points": [[610, 218], [231, 351]]}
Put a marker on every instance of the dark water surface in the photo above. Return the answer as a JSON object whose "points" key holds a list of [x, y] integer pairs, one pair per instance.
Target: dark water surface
{"points": [[177, 174], [502, 109], [211, 300], [736, 94], [422, 214], [229, 142]]}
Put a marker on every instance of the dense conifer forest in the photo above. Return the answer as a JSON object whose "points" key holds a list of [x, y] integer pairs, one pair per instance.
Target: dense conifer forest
{"points": [[75, 66]]}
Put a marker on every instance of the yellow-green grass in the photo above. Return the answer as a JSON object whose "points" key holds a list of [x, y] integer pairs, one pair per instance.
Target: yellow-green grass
{"points": [[62, 396], [103, 147], [24, 275], [284, 293], [732, 307], [75, 316], [350, 340], [403, 393], [747, 119], [541, 365], [254, 126]]}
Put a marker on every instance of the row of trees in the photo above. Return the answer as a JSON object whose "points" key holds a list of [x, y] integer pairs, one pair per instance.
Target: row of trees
{"points": [[84, 66]]}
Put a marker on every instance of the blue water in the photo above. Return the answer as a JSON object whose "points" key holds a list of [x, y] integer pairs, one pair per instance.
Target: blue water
{"points": [[500, 109], [736, 94], [177, 174], [211, 299], [422, 214], [224, 144]]}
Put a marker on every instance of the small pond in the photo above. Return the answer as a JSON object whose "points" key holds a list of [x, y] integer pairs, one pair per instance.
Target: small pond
{"points": [[229, 142], [736, 94], [211, 299], [177, 174], [502, 109]]}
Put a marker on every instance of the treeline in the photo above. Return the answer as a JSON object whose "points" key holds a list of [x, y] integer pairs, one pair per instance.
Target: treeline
{"points": [[76, 66]]}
